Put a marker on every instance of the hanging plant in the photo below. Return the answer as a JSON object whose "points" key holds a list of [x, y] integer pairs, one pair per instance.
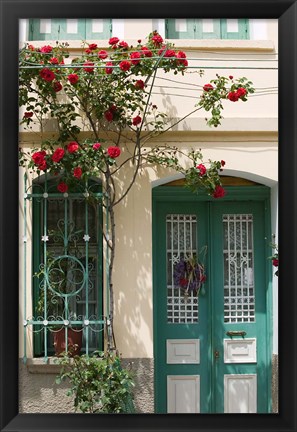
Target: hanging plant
{"points": [[189, 275]]}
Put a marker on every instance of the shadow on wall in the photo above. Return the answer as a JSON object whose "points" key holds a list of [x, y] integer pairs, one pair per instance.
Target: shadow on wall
{"points": [[133, 271], [39, 393]]}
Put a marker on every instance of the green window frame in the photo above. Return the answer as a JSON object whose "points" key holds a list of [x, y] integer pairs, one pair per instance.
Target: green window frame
{"points": [[193, 29], [87, 29], [77, 215]]}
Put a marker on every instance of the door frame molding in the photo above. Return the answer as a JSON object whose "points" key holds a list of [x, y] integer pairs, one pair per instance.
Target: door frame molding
{"points": [[161, 194]]}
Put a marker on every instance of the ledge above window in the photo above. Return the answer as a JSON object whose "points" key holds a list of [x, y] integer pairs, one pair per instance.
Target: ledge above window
{"points": [[225, 44]]}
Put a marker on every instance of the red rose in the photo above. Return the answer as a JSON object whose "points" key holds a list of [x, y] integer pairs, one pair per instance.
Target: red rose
{"points": [[57, 86], [72, 147], [241, 92], [170, 53], [223, 163], [181, 55], [157, 39], [135, 57], [38, 157], [146, 52], [219, 192], [92, 46], [108, 115], [62, 187], [47, 74], [28, 114], [123, 45], [160, 52], [88, 51], [72, 78], [113, 41], [96, 146], [183, 62], [207, 87], [31, 47], [46, 49], [139, 85], [113, 108], [77, 172], [88, 67], [275, 262], [58, 154], [114, 152], [136, 120], [54, 60], [202, 169], [231, 77], [233, 96], [102, 54], [125, 65], [109, 70], [42, 166], [139, 41]]}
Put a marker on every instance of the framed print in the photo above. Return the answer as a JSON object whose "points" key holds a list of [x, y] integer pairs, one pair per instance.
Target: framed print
{"points": [[147, 189]]}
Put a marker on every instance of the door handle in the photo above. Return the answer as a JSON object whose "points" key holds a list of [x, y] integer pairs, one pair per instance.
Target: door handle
{"points": [[241, 333]]}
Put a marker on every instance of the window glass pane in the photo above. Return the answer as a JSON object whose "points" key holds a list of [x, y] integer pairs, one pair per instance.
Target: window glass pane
{"points": [[45, 26], [239, 294], [207, 26], [68, 250], [232, 26], [97, 25], [72, 25], [181, 244], [181, 25]]}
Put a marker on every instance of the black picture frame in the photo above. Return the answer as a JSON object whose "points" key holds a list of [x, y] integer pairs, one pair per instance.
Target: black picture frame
{"points": [[283, 10]]}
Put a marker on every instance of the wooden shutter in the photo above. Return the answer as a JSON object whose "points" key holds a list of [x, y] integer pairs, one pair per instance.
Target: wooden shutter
{"points": [[180, 28], [207, 29], [234, 29]]}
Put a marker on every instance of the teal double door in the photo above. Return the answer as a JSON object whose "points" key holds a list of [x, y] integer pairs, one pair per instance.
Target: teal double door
{"points": [[212, 350]]}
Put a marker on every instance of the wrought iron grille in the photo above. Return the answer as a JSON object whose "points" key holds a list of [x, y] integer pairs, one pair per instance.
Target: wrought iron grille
{"points": [[67, 260], [181, 243], [239, 292]]}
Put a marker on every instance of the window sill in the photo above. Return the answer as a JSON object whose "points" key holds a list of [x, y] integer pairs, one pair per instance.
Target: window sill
{"points": [[39, 366]]}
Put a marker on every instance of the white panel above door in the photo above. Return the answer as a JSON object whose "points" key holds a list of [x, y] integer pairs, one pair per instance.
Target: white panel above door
{"points": [[240, 394], [183, 394], [183, 351]]}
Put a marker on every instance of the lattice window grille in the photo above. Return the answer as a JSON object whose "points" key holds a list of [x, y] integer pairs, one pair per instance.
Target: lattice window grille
{"points": [[239, 290], [181, 243]]}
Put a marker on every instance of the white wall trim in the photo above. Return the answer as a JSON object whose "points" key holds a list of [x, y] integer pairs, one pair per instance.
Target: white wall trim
{"points": [[118, 28], [258, 29], [23, 30]]}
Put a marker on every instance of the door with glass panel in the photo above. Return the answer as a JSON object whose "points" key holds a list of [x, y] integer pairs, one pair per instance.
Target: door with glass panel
{"points": [[211, 344]]}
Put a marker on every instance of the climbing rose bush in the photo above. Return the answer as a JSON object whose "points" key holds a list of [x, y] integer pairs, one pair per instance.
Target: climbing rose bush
{"points": [[220, 89], [109, 89]]}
